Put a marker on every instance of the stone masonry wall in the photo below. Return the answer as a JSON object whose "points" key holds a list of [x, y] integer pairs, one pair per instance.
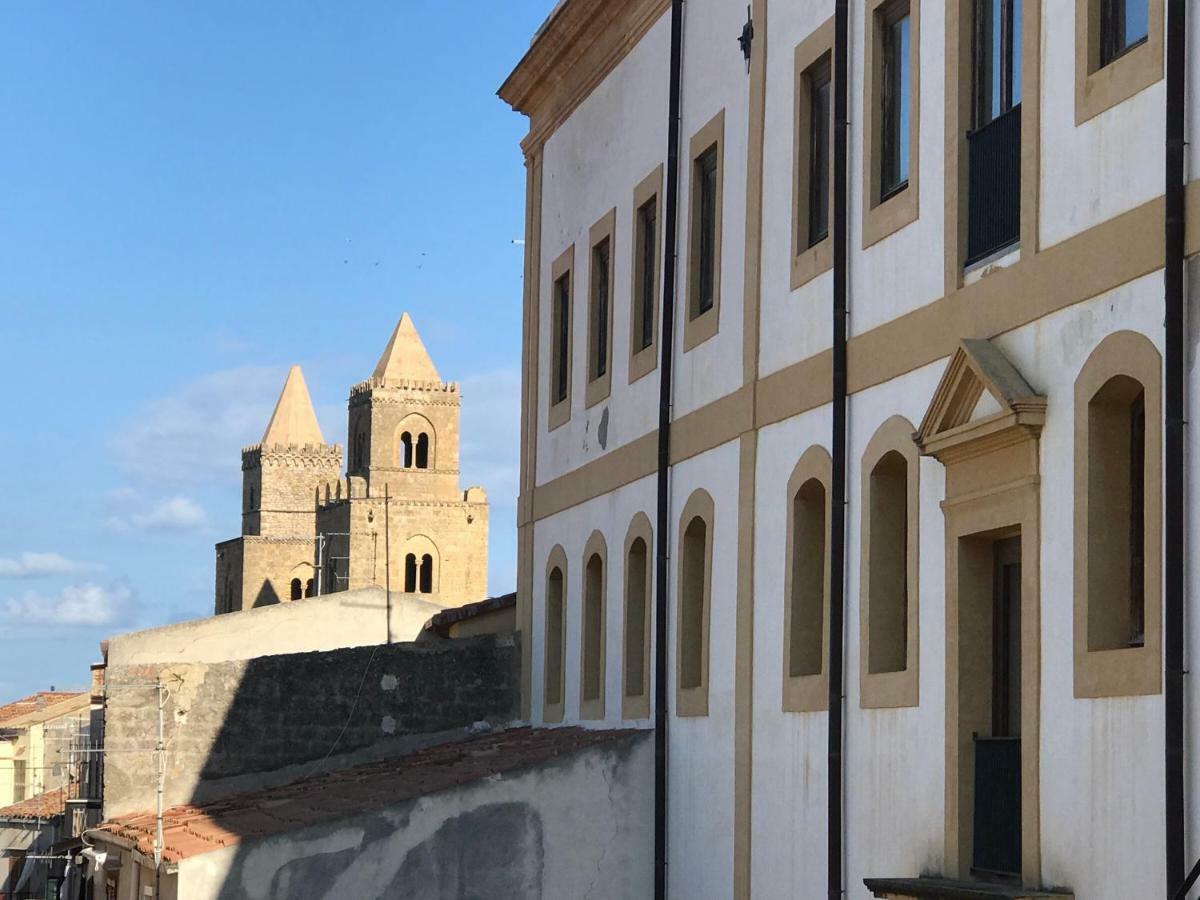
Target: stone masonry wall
{"points": [[237, 726]]}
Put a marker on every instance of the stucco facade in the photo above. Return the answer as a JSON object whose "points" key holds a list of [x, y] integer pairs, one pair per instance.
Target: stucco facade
{"points": [[748, 773]]}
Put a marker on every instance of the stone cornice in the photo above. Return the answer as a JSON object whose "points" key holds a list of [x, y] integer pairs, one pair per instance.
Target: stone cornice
{"points": [[581, 42]]}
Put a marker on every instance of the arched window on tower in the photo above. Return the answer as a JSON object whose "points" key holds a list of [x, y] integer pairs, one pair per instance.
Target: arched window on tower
{"points": [[410, 574], [406, 450], [422, 451], [308, 588], [295, 595], [426, 574]]}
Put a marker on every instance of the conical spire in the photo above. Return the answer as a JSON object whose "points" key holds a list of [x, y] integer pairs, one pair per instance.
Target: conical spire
{"points": [[405, 356], [293, 421]]}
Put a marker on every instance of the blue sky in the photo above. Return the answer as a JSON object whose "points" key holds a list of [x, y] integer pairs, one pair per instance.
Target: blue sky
{"points": [[196, 195]]}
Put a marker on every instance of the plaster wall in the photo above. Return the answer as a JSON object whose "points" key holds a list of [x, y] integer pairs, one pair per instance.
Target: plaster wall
{"points": [[1093, 171], [1101, 760], [714, 78], [591, 164], [903, 271], [795, 324], [580, 826], [347, 619], [611, 515]]}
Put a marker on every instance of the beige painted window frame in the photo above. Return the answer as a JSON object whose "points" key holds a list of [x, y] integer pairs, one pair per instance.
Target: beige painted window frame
{"points": [[699, 327], [888, 690], [1128, 671], [599, 388], [560, 412], [885, 217], [808, 261], [637, 706], [644, 360], [693, 701], [553, 712], [806, 693], [959, 116], [592, 708], [1097, 88]]}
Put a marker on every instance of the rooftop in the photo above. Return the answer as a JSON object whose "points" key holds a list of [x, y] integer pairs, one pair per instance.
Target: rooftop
{"points": [[35, 703], [195, 830], [42, 806], [442, 621]]}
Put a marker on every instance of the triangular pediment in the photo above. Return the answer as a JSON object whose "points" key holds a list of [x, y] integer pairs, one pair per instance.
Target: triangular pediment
{"points": [[979, 387]]}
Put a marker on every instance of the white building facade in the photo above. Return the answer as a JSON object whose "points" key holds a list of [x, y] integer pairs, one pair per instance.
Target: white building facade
{"points": [[1004, 592]]}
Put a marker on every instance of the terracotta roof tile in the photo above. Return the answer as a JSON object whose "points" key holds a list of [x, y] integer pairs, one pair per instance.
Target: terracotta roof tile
{"points": [[35, 702], [42, 806], [192, 830]]}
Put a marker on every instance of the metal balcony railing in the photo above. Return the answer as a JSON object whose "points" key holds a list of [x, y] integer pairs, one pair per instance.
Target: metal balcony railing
{"points": [[994, 185]]}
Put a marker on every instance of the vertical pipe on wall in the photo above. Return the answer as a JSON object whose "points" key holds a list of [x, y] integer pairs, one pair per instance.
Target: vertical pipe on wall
{"points": [[1173, 493], [837, 511], [662, 526]]}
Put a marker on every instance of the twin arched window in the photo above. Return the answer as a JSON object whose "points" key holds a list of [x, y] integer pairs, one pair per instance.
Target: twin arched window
{"points": [[418, 574], [414, 452], [296, 589]]}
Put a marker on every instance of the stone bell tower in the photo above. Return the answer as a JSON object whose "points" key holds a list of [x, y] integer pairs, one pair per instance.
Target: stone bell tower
{"points": [[273, 559], [403, 434]]}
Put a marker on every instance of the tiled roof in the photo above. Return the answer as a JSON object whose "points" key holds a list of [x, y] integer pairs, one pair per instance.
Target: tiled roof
{"points": [[42, 806], [194, 830], [34, 703]]}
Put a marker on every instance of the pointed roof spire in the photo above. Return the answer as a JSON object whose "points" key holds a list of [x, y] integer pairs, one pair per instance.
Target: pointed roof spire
{"points": [[405, 356], [293, 421]]}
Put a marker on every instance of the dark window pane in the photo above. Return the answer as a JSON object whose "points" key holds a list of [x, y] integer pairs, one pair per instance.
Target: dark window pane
{"points": [[818, 173], [600, 260], [1123, 25], [648, 248], [895, 105], [997, 54], [562, 313], [706, 243]]}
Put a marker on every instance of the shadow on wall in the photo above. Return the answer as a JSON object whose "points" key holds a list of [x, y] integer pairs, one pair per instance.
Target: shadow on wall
{"points": [[503, 842]]}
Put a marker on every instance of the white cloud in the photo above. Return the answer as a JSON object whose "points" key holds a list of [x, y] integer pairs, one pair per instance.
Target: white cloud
{"points": [[195, 435], [37, 565], [73, 606], [177, 513]]}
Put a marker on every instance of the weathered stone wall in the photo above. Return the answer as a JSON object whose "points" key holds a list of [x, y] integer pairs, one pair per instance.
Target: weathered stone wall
{"points": [[236, 726]]}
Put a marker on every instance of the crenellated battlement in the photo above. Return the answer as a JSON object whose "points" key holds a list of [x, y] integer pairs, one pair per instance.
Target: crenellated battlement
{"points": [[294, 455], [403, 384]]}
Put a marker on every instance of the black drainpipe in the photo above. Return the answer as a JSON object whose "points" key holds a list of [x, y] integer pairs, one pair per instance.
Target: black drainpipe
{"points": [[837, 504], [662, 528], [1173, 487]]}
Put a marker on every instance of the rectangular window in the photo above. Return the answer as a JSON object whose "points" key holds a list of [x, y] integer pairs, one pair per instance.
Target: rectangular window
{"points": [[562, 335], [646, 275], [820, 109], [705, 241], [895, 34], [600, 305], [703, 255], [997, 53], [1124, 24], [18, 780]]}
